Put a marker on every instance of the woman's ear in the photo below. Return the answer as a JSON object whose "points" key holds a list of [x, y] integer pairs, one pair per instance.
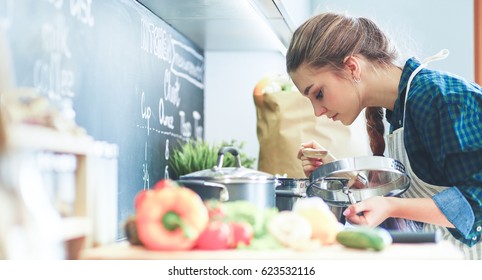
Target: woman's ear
{"points": [[352, 64]]}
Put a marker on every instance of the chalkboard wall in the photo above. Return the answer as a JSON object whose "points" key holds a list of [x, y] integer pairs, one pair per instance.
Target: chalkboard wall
{"points": [[132, 79]]}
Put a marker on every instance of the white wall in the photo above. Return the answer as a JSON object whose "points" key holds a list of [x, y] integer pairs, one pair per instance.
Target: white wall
{"points": [[420, 28], [229, 109]]}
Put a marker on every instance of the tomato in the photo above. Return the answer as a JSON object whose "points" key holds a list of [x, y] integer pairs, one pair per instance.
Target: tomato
{"points": [[243, 233], [216, 236]]}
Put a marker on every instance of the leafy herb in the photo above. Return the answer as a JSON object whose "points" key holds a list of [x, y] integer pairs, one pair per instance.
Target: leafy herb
{"points": [[198, 155]]}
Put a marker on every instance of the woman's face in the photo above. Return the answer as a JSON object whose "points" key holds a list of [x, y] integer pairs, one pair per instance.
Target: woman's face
{"points": [[329, 93]]}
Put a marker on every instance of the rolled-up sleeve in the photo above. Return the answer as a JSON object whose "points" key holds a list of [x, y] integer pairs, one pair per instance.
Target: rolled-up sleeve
{"points": [[457, 209]]}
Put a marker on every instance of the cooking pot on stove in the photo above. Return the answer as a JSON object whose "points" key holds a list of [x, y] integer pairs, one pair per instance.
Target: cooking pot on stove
{"points": [[346, 181], [288, 191], [232, 183]]}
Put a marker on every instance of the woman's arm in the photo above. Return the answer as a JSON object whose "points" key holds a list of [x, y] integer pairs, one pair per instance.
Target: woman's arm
{"points": [[377, 209]]}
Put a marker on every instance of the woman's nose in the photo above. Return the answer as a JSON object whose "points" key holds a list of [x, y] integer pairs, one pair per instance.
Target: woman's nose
{"points": [[320, 111]]}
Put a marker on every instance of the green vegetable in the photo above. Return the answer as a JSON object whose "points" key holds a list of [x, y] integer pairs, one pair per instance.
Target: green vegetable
{"points": [[265, 242], [361, 237], [245, 211]]}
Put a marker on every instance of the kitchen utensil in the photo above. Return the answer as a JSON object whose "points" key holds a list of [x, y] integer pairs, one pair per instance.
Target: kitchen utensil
{"points": [[415, 237], [241, 183], [318, 153], [327, 157], [384, 177]]}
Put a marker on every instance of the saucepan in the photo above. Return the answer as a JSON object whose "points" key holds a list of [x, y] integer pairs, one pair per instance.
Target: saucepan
{"points": [[347, 181], [289, 191], [232, 183]]}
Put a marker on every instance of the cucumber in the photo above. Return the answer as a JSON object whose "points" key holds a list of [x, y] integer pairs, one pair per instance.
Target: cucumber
{"points": [[361, 237]]}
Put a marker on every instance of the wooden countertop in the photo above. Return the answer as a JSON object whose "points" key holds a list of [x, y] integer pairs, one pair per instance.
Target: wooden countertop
{"points": [[428, 251]]}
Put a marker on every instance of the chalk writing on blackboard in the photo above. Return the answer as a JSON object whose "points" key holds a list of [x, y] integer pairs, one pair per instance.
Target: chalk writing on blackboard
{"points": [[171, 90], [129, 78], [82, 10], [155, 40], [186, 129], [50, 76], [188, 63], [164, 119], [145, 112], [145, 169]]}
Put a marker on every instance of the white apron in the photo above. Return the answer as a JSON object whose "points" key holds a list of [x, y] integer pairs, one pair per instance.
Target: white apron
{"points": [[418, 188]]}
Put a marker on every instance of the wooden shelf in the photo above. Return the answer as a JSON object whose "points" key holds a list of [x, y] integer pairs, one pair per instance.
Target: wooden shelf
{"points": [[77, 228], [35, 137]]}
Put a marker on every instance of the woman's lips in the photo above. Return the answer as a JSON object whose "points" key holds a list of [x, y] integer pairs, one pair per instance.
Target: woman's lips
{"points": [[334, 117]]}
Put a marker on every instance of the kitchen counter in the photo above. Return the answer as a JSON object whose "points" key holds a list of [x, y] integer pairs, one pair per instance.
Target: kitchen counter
{"points": [[429, 251]]}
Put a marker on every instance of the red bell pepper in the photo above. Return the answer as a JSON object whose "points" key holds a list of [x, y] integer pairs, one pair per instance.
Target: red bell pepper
{"points": [[170, 217]]}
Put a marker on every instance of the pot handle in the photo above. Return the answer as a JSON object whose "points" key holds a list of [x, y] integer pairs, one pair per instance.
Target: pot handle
{"points": [[288, 193], [223, 194], [233, 151]]}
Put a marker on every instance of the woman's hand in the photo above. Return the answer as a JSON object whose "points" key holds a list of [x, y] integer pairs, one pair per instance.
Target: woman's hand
{"points": [[309, 163], [375, 210]]}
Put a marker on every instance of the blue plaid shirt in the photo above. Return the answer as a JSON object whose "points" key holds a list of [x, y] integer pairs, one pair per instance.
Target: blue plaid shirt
{"points": [[443, 140]]}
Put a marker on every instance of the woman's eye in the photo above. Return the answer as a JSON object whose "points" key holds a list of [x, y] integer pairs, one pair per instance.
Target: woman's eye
{"points": [[319, 95]]}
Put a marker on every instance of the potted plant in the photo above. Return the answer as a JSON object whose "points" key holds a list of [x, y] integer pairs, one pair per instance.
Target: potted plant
{"points": [[199, 155]]}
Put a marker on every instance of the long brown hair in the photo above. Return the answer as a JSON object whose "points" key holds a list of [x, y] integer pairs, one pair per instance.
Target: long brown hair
{"points": [[327, 39]]}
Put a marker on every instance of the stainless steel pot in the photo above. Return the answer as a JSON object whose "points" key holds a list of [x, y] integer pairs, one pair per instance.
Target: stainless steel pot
{"points": [[207, 190], [382, 176], [288, 191], [239, 183]]}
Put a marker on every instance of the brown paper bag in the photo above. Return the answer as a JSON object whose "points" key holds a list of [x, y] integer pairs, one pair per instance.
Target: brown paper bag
{"points": [[285, 119]]}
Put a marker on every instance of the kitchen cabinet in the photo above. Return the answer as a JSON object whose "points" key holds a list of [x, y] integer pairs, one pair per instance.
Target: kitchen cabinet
{"points": [[234, 25]]}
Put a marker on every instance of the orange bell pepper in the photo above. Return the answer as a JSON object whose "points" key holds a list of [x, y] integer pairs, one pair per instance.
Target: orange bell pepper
{"points": [[170, 218]]}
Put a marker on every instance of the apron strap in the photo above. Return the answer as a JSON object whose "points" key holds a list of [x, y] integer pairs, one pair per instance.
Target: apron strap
{"points": [[439, 56]]}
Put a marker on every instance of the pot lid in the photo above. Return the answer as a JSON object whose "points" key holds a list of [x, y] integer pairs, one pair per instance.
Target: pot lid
{"points": [[219, 173]]}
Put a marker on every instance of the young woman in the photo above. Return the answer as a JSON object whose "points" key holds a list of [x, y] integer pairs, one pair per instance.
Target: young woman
{"points": [[345, 64]]}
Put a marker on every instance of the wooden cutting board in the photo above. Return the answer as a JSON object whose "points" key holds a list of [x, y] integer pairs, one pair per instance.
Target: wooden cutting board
{"points": [[429, 251]]}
